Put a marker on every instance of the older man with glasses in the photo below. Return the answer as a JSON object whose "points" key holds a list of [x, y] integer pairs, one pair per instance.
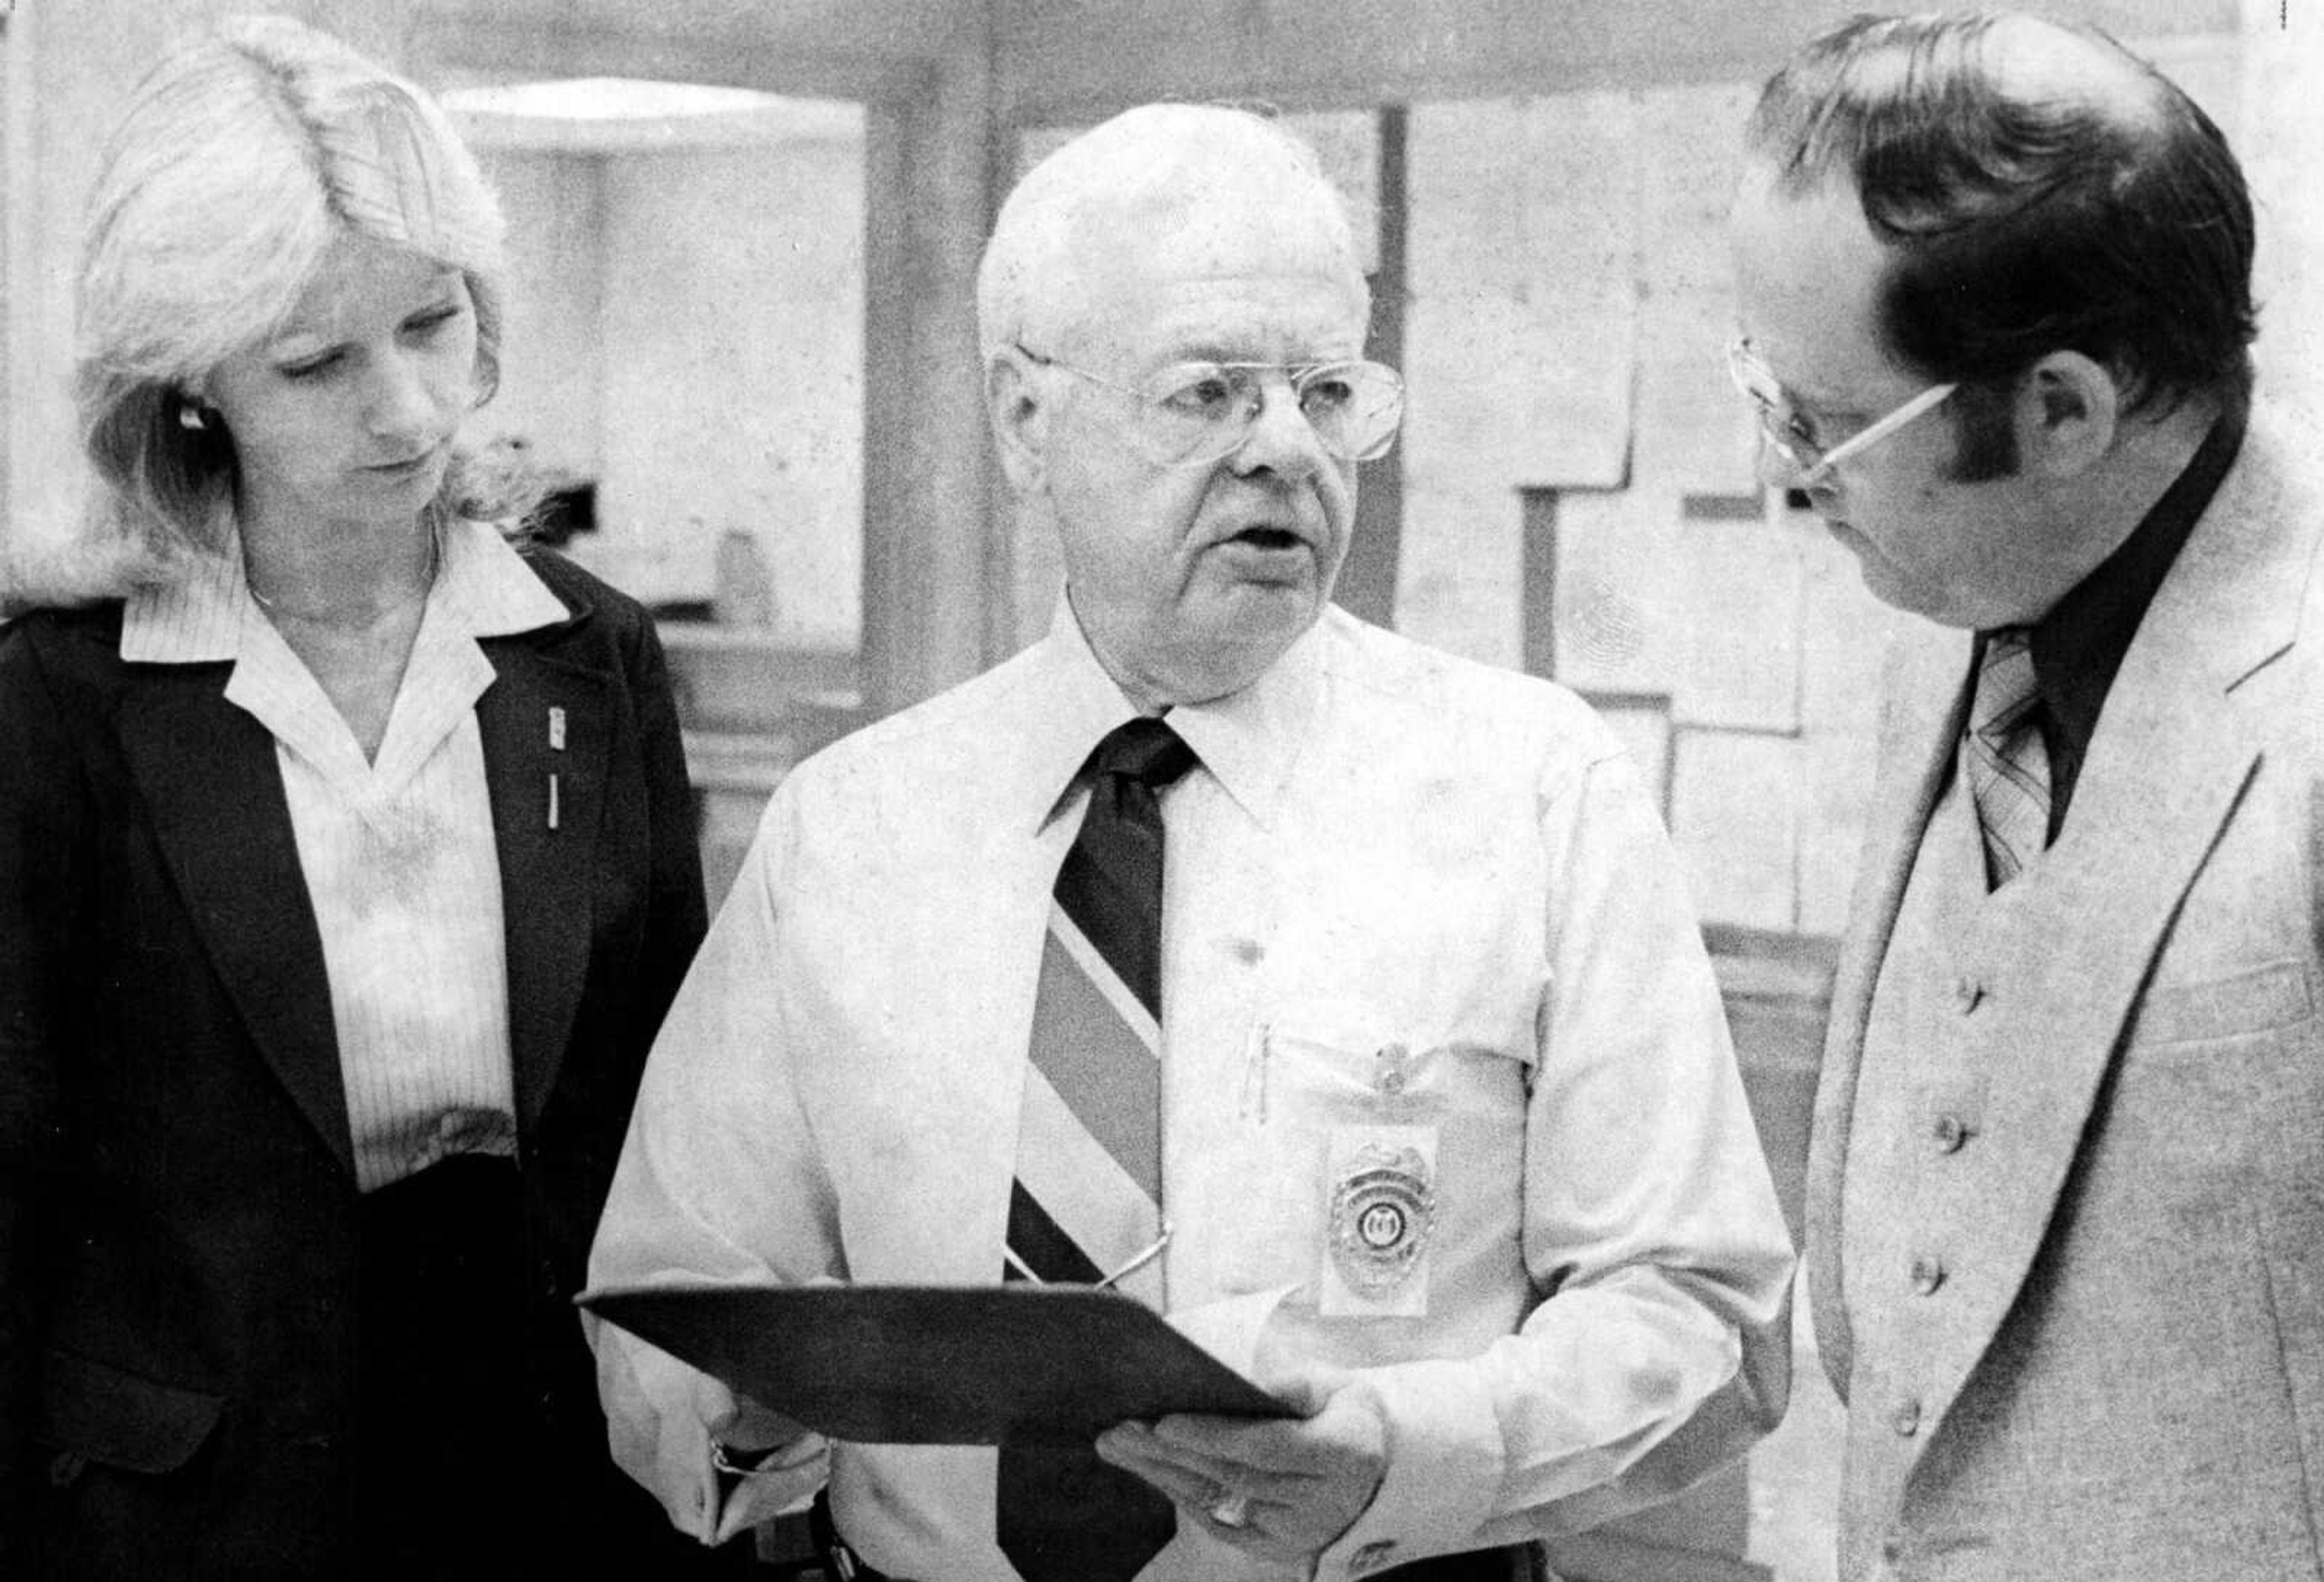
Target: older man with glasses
{"points": [[2066, 1186], [1336, 998]]}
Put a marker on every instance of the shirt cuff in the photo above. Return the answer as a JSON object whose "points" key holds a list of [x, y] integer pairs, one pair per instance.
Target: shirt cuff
{"points": [[1445, 1469], [783, 1483]]}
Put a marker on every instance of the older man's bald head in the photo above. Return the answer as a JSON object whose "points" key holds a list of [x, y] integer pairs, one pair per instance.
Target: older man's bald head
{"points": [[1161, 183]]}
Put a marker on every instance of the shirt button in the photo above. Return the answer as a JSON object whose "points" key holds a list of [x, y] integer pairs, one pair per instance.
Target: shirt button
{"points": [[1948, 1133], [1906, 1418], [1967, 992], [1928, 1274], [1388, 1068]]}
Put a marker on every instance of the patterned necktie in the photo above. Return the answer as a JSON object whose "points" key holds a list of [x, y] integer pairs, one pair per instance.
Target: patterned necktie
{"points": [[2008, 761], [1086, 1201]]}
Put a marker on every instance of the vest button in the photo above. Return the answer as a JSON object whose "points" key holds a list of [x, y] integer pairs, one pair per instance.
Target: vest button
{"points": [[1967, 992], [1948, 1133], [1928, 1274], [1906, 1418]]}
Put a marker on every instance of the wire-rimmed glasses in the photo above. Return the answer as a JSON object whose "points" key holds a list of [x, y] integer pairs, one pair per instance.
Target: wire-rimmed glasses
{"points": [[1789, 435], [1194, 413]]}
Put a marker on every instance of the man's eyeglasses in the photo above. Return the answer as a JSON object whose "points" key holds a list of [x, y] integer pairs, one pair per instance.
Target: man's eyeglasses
{"points": [[1793, 438], [1194, 413]]}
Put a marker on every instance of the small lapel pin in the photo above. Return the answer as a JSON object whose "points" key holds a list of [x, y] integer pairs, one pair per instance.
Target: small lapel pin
{"points": [[557, 730]]}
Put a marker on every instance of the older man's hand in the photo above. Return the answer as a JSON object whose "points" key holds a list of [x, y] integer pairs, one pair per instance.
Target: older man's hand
{"points": [[1284, 1488]]}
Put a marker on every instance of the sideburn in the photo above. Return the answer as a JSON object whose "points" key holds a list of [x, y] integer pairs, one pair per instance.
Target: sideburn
{"points": [[1984, 417]]}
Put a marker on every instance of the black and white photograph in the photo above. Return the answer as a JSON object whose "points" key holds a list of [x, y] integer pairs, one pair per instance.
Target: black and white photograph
{"points": [[1161, 791]]}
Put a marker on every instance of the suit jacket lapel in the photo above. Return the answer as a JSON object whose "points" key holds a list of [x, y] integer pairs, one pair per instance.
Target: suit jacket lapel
{"points": [[208, 775], [544, 868]]}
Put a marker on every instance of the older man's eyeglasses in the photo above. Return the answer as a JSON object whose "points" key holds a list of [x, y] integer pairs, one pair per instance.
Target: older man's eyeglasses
{"points": [[1194, 413], [1791, 434]]}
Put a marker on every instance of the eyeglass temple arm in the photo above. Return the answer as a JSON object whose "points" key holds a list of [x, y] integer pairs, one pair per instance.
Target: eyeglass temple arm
{"points": [[1873, 434]]}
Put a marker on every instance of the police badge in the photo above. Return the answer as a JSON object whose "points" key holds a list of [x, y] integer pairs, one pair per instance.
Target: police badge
{"points": [[1383, 1215]]}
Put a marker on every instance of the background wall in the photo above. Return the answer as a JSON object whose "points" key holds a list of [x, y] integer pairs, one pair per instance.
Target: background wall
{"points": [[553, 361], [688, 331]]}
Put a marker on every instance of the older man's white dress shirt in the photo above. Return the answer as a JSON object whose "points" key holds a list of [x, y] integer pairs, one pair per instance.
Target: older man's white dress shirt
{"points": [[1403, 890]]}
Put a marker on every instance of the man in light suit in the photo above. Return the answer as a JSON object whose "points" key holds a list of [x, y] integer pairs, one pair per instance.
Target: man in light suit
{"points": [[2066, 1213]]}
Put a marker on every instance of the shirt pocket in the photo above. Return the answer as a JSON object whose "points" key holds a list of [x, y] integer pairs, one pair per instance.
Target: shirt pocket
{"points": [[1305, 1072], [1311, 1064], [1314, 1069], [1310, 1070]]}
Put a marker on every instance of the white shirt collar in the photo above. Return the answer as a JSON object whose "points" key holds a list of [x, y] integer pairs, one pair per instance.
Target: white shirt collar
{"points": [[1248, 740], [484, 588]]}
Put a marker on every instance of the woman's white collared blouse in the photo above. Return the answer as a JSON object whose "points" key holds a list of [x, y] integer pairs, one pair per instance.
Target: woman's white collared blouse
{"points": [[397, 852]]}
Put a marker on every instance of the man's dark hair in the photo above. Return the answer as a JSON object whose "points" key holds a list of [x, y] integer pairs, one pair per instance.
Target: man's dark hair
{"points": [[2106, 216]]}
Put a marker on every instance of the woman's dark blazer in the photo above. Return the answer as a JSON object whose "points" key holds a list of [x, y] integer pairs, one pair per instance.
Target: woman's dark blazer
{"points": [[176, 1184]]}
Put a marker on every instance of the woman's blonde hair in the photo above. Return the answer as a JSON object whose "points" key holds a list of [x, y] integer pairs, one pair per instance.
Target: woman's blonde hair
{"points": [[238, 162]]}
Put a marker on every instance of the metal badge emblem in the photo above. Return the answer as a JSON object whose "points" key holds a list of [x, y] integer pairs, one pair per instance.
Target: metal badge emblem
{"points": [[1383, 1212]]}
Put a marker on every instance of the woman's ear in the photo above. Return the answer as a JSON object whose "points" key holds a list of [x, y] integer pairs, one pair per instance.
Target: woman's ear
{"points": [[2069, 407], [1016, 398]]}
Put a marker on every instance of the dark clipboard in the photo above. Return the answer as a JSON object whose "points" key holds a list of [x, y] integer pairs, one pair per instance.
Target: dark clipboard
{"points": [[918, 1365]]}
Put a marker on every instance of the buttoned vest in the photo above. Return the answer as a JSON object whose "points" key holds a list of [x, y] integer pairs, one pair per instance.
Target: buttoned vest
{"points": [[1919, 1164], [2090, 1352]]}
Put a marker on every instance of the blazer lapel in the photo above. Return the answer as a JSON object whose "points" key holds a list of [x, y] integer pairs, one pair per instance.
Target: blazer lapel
{"points": [[208, 775], [1928, 697], [544, 725]]}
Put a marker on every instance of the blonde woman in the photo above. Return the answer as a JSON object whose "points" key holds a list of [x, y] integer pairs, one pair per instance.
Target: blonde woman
{"points": [[346, 867]]}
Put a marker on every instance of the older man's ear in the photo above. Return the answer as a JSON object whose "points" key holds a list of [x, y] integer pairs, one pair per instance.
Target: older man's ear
{"points": [[1018, 400]]}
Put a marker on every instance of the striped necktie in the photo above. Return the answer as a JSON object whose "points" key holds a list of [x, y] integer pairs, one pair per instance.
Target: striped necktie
{"points": [[1086, 1201], [2008, 761]]}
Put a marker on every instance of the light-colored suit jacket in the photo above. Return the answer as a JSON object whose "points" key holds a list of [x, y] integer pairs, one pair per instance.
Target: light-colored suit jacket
{"points": [[2118, 1367]]}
